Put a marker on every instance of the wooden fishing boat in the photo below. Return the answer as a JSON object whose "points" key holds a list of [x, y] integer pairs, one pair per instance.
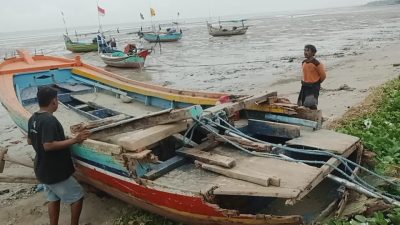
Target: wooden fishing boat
{"points": [[78, 47], [170, 36], [130, 58], [226, 31], [137, 152]]}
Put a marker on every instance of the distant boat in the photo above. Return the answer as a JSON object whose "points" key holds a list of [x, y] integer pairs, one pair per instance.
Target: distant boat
{"points": [[225, 30], [131, 57], [170, 36], [79, 46]]}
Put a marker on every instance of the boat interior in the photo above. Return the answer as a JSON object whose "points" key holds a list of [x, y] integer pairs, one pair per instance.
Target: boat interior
{"points": [[201, 164]]}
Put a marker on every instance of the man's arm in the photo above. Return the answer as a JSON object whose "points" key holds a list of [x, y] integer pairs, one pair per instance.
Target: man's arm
{"points": [[60, 145], [321, 72]]}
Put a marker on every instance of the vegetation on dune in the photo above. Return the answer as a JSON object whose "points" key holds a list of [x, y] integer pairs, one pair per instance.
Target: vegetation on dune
{"points": [[379, 218], [377, 124]]}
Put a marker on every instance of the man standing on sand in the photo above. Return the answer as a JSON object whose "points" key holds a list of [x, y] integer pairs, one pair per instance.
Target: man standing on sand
{"points": [[313, 75], [53, 162]]}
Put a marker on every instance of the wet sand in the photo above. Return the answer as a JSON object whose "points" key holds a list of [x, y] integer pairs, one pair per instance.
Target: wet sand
{"points": [[359, 49]]}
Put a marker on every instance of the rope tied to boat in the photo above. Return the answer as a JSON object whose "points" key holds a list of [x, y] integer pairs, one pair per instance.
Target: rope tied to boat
{"points": [[212, 124]]}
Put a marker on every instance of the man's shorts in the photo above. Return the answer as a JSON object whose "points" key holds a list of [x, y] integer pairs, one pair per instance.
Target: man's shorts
{"points": [[68, 191]]}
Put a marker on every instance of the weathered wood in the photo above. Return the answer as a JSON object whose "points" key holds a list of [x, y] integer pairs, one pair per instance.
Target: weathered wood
{"points": [[96, 123], [273, 95], [331, 141], [139, 140], [207, 145], [272, 100], [184, 140], [104, 147], [259, 147], [207, 157], [154, 119], [309, 114], [18, 179], [232, 107], [246, 175], [324, 171], [134, 156], [165, 167], [291, 120], [259, 191], [273, 129]]}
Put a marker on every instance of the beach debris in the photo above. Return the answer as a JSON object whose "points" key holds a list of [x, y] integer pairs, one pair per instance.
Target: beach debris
{"points": [[126, 99], [360, 204], [396, 64], [343, 87], [5, 191], [367, 123]]}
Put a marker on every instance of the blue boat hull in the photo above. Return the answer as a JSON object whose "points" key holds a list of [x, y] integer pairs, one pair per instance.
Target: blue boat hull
{"points": [[170, 37]]}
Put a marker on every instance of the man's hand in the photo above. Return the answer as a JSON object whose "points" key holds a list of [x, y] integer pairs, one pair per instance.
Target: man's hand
{"points": [[81, 136]]}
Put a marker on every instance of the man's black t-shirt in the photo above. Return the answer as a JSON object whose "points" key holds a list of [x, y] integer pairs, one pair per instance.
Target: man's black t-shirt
{"points": [[50, 166]]}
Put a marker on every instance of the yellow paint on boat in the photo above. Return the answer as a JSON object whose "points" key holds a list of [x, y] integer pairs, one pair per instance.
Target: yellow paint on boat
{"points": [[145, 91]]}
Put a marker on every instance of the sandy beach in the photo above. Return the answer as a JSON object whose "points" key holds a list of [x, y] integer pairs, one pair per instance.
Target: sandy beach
{"points": [[350, 78]]}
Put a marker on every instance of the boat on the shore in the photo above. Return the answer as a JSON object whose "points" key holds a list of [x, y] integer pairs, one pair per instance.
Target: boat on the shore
{"points": [[168, 36], [189, 156], [79, 47], [221, 30], [131, 57]]}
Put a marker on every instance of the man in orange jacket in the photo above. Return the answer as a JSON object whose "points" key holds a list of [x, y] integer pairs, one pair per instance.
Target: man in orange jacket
{"points": [[313, 75]]}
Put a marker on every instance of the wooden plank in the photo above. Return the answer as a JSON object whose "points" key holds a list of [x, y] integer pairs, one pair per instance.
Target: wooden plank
{"points": [[243, 174], [291, 120], [309, 114], [259, 147], [273, 129], [96, 123], [139, 140], [331, 141], [207, 157], [136, 155], [158, 118], [103, 147], [259, 191], [165, 167], [168, 116], [324, 171], [232, 107]]}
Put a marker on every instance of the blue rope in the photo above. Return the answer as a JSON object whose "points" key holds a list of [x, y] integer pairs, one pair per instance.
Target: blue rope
{"points": [[343, 160]]}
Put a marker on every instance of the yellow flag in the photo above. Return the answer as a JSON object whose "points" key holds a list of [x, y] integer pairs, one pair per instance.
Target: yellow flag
{"points": [[152, 12]]}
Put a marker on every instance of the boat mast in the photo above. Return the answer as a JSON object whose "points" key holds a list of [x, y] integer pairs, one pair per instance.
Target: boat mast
{"points": [[65, 24], [98, 18]]}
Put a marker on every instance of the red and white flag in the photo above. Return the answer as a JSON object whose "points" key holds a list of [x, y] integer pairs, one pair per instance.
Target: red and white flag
{"points": [[101, 11]]}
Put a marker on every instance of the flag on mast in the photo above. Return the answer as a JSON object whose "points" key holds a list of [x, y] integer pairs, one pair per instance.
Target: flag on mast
{"points": [[63, 17], [152, 12], [141, 16], [101, 11]]}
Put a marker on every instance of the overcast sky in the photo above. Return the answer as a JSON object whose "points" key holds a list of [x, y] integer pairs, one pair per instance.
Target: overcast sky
{"points": [[42, 14]]}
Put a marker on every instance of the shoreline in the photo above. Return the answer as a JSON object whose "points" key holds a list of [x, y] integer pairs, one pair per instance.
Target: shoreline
{"points": [[363, 72]]}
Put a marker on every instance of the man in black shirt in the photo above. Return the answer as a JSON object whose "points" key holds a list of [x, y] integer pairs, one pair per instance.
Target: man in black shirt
{"points": [[53, 162]]}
